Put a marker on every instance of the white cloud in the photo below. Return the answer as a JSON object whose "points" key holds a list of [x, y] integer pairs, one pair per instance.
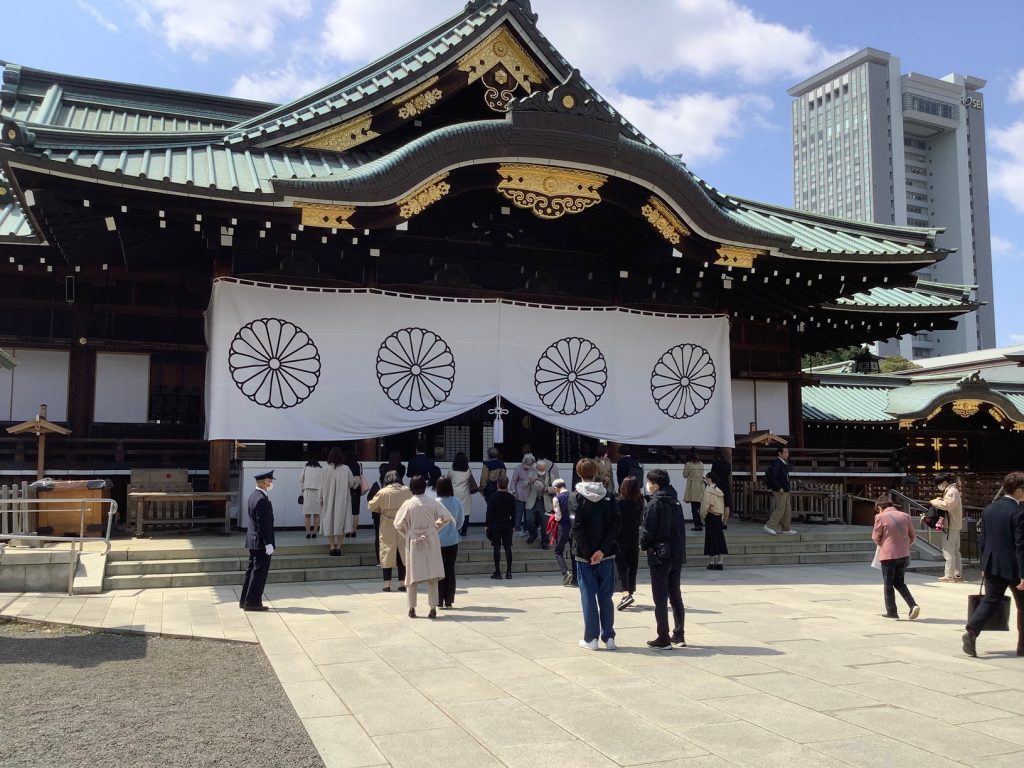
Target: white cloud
{"points": [[279, 85], [1016, 339], [218, 25], [364, 30], [1004, 250], [662, 38], [98, 16], [695, 125], [1007, 163], [1017, 86]]}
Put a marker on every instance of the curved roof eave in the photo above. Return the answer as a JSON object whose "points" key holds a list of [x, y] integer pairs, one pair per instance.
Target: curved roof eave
{"points": [[391, 177]]}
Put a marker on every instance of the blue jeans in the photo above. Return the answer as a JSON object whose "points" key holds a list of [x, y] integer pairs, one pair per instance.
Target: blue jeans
{"points": [[520, 514], [597, 582]]}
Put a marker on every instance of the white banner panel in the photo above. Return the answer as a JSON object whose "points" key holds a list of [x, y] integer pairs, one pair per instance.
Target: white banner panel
{"points": [[288, 363], [122, 388], [41, 376]]}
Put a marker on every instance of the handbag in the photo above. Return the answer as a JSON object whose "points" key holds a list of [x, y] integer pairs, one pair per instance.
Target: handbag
{"points": [[364, 484], [473, 487], [999, 619], [302, 499]]}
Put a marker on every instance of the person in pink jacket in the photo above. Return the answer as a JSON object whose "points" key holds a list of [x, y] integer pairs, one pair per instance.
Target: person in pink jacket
{"points": [[894, 533]]}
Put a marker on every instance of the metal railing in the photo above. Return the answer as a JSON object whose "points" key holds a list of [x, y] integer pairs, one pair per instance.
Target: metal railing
{"points": [[77, 542]]}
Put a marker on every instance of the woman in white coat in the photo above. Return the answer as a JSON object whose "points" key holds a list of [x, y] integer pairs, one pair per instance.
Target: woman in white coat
{"points": [[465, 487], [312, 477], [336, 495], [419, 520]]}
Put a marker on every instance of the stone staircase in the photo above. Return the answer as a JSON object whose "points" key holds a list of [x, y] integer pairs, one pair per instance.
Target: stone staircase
{"points": [[224, 564]]}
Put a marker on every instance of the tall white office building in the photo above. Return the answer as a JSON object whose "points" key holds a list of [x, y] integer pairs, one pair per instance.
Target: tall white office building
{"points": [[872, 144]]}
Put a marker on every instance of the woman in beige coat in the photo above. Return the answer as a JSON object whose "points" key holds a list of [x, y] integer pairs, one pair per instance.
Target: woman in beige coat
{"points": [[386, 503], [693, 493], [419, 520], [336, 499]]}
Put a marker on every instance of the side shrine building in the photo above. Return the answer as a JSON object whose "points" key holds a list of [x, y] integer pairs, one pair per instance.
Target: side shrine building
{"points": [[462, 220]]}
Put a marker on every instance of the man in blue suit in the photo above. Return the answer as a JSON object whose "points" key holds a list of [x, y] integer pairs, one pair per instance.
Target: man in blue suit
{"points": [[259, 540], [1002, 559]]}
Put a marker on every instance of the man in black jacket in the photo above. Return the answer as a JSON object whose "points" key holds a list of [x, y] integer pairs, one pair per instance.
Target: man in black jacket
{"points": [[595, 540], [777, 479], [663, 537], [499, 524], [1001, 538], [259, 540]]}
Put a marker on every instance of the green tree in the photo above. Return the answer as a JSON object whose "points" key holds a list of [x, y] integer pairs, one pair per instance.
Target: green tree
{"points": [[895, 363], [829, 356]]}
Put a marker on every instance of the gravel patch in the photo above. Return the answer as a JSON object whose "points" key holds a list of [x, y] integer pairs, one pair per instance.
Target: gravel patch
{"points": [[74, 698]]}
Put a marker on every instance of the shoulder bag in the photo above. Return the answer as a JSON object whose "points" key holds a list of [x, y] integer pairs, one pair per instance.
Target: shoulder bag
{"points": [[999, 619]]}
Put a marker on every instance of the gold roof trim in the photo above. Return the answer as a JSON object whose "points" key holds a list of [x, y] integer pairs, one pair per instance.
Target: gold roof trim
{"points": [[550, 192], [339, 138]]}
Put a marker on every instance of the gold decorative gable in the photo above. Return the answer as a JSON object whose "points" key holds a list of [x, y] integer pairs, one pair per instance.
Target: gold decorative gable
{"points": [[550, 192], [736, 256], [338, 138], [418, 100], [325, 214], [664, 220], [504, 66], [424, 197]]}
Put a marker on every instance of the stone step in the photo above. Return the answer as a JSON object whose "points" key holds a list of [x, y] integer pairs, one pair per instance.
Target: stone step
{"points": [[546, 564]]}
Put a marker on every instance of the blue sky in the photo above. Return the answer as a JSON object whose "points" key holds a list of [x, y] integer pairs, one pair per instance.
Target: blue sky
{"points": [[704, 78]]}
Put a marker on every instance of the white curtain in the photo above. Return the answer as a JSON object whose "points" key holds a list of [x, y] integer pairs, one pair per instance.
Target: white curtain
{"points": [[288, 363]]}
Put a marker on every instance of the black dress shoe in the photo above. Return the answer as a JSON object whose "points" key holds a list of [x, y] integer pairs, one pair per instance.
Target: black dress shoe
{"points": [[968, 645], [402, 588], [256, 608], [508, 574], [496, 575]]}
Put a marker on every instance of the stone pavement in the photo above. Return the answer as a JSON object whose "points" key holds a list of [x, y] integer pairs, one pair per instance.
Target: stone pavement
{"points": [[786, 666]]}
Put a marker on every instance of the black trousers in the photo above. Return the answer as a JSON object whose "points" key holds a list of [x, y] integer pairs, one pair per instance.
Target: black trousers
{"points": [[465, 521], [627, 561], [995, 588], [560, 544], [695, 514], [255, 578], [665, 589], [446, 589], [401, 568], [893, 573], [500, 540]]}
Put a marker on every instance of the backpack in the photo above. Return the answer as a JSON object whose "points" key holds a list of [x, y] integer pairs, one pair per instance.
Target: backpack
{"points": [[933, 519]]}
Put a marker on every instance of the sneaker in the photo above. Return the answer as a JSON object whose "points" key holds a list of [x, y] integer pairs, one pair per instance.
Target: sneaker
{"points": [[590, 645], [889, 615], [711, 566], [771, 531], [968, 644], [958, 579], [659, 645], [790, 532], [947, 579], [915, 612], [610, 644], [533, 538], [678, 640], [626, 601], [719, 567]]}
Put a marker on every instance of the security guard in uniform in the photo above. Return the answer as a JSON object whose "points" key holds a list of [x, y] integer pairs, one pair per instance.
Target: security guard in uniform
{"points": [[259, 540]]}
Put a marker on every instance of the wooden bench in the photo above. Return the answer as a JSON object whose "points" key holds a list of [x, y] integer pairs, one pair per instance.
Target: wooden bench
{"points": [[143, 501]]}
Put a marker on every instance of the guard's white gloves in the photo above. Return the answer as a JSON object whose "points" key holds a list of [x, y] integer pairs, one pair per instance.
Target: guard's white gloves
{"points": [[270, 549]]}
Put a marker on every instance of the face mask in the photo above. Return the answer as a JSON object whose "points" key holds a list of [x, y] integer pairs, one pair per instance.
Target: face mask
{"points": [[650, 490], [270, 488]]}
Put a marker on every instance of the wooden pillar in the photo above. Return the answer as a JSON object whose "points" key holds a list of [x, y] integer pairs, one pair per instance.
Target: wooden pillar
{"points": [[796, 415], [366, 450], [81, 364]]}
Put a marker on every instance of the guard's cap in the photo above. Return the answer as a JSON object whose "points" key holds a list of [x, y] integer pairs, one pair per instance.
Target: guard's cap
{"points": [[266, 476]]}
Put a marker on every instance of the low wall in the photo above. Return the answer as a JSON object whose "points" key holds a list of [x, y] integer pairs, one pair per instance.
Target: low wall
{"points": [[34, 570]]}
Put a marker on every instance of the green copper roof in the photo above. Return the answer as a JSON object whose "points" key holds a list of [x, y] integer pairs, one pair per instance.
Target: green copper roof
{"points": [[826, 402], [925, 295], [825, 234], [13, 223]]}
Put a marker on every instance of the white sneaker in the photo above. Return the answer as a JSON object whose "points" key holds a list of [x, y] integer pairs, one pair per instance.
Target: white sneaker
{"points": [[915, 612], [591, 646], [610, 644], [790, 532], [769, 530]]}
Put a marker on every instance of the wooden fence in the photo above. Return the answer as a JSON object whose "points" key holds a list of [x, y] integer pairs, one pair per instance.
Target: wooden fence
{"points": [[824, 502], [15, 518]]}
